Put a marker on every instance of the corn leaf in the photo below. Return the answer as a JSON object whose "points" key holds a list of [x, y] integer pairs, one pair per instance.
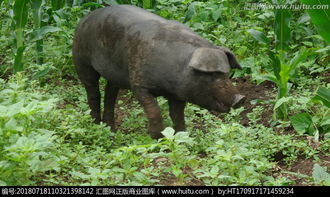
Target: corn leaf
{"points": [[268, 77], [57, 4], [281, 101], [276, 63], [20, 13], [323, 94], [282, 30], [320, 17], [299, 57], [36, 11]]}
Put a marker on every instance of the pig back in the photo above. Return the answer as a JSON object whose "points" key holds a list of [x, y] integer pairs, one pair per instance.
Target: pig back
{"points": [[112, 39], [105, 39]]}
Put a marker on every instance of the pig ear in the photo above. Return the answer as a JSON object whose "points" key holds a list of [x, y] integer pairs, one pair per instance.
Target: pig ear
{"points": [[231, 58], [209, 60]]}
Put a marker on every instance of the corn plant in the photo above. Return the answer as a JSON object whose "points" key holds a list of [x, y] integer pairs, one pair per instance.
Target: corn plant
{"points": [[283, 68], [20, 18]]}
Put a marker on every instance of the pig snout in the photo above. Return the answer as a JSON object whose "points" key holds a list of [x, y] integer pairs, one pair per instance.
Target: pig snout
{"points": [[238, 100]]}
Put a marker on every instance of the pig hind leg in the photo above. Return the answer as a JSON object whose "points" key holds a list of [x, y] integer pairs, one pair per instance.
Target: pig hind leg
{"points": [[90, 78], [110, 97], [177, 114], [152, 110]]}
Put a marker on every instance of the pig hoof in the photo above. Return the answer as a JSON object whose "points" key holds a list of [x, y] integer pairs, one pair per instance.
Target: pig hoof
{"points": [[156, 134], [111, 125]]}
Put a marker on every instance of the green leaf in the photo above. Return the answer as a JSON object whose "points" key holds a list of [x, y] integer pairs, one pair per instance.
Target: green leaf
{"points": [[168, 133], [147, 4], [325, 121], [57, 4], [320, 17], [280, 101], [36, 11], [285, 74], [198, 26], [268, 77], [183, 137], [20, 18], [20, 13], [301, 122], [18, 59], [2, 183], [322, 50], [282, 30], [12, 125], [190, 12], [299, 57], [92, 4], [323, 94], [276, 63], [80, 175], [216, 14], [41, 32], [320, 174], [37, 16], [41, 73], [303, 19], [259, 36]]}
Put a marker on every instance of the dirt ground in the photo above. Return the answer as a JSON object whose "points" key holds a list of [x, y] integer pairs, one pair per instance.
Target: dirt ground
{"points": [[253, 92], [301, 167]]}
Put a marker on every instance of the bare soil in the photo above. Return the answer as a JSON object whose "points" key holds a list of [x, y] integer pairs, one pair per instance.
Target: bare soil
{"points": [[253, 92], [301, 168], [326, 76]]}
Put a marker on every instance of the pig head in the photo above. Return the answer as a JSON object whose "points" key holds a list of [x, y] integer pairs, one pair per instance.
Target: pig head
{"points": [[208, 83]]}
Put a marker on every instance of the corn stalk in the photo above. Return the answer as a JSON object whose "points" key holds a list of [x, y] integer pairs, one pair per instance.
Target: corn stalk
{"points": [[37, 11], [282, 70], [20, 11]]}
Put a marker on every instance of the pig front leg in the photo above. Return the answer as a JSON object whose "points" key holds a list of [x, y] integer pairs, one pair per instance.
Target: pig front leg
{"points": [[90, 78], [177, 114], [94, 98], [110, 97], [152, 111]]}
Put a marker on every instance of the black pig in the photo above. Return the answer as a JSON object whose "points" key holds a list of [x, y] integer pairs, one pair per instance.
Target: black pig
{"points": [[135, 49]]}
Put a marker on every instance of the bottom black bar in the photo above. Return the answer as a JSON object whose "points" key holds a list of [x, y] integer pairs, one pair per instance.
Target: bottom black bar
{"points": [[161, 191]]}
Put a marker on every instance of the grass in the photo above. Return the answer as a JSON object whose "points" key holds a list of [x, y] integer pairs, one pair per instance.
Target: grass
{"points": [[211, 152]]}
